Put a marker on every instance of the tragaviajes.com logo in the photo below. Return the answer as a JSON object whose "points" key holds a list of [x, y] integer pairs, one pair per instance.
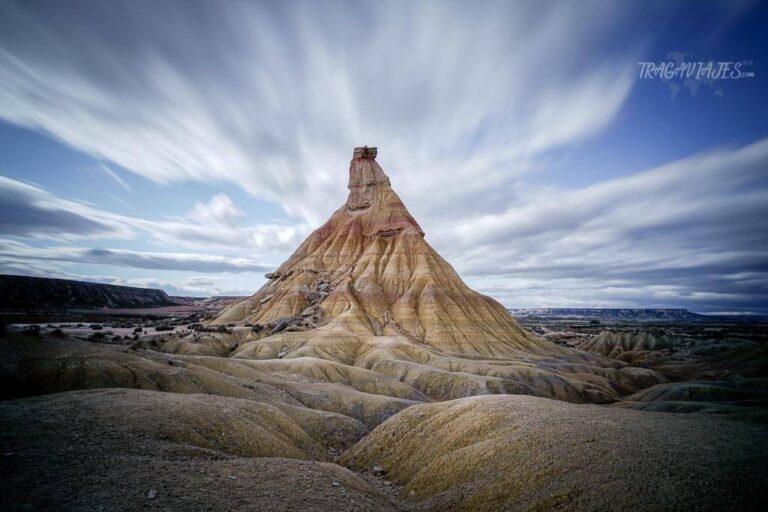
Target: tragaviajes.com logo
{"points": [[678, 72]]}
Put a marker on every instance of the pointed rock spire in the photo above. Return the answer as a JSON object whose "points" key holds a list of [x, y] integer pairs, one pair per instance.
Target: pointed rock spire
{"points": [[365, 289], [365, 175]]}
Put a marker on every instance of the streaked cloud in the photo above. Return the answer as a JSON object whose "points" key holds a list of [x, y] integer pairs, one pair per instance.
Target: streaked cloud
{"points": [[465, 100], [115, 177], [30, 211], [266, 96], [688, 232], [19, 253]]}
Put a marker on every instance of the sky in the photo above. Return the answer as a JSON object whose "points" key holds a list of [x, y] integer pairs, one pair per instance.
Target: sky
{"points": [[193, 145]]}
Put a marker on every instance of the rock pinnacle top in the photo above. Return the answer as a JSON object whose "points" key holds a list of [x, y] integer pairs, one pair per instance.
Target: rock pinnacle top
{"points": [[364, 152], [365, 176]]}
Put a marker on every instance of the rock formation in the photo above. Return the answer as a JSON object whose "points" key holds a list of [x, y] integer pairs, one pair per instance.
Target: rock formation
{"points": [[366, 289], [369, 271], [351, 355]]}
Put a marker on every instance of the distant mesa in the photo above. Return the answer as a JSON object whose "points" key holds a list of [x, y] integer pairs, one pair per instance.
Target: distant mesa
{"points": [[37, 293], [617, 314]]}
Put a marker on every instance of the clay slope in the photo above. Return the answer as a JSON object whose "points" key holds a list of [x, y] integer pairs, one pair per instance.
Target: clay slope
{"points": [[366, 289], [127, 449], [526, 453]]}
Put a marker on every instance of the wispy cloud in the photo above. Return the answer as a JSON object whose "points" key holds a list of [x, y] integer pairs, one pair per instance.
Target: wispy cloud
{"points": [[266, 96], [115, 177], [464, 100], [688, 232], [20, 253], [32, 212]]}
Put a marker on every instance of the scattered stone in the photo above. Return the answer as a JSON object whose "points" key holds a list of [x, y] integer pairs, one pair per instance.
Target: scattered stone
{"points": [[280, 326], [273, 275], [387, 483], [323, 287], [335, 483], [309, 311], [282, 353], [377, 470], [266, 299], [152, 494]]}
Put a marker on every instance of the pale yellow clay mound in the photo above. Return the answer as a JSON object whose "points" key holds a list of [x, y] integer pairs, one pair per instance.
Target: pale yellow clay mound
{"points": [[125, 449], [527, 453], [367, 290]]}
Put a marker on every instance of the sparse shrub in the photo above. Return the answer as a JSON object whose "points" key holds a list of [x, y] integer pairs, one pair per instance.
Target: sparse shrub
{"points": [[58, 333], [160, 328], [137, 330], [31, 330], [221, 328], [97, 336], [96, 327]]}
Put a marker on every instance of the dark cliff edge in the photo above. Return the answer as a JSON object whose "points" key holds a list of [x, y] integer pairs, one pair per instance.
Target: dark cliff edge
{"points": [[23, 293]]}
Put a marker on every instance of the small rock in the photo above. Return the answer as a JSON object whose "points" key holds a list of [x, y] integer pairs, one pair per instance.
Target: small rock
{"points": [[152, 494], [323, 287], [282, 353], [387, 483], [280, 326], [335, 483], [377, 470], [266, 299]]}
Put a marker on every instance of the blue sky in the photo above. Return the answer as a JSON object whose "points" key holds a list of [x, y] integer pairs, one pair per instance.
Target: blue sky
{"points": [[193, 145]]}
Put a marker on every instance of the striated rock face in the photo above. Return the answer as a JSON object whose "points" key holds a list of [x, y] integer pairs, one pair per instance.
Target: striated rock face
{"points": [[366, 289], [373, 273]]}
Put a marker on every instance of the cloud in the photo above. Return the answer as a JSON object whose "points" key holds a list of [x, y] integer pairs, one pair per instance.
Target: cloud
{"points": [[220, 209], [18, 253], [30, 211], [115, 177], [690, 232], [271, 97], [463, 100]]}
